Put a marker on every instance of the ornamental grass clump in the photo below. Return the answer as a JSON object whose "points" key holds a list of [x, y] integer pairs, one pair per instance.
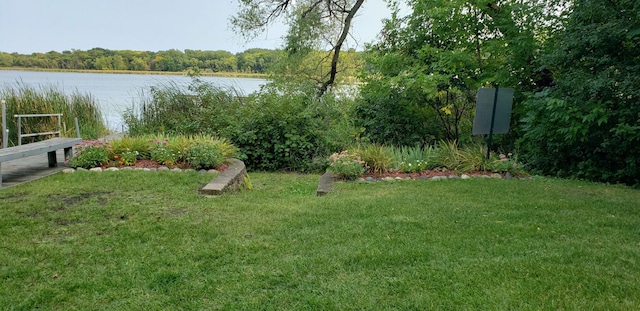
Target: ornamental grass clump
{"points": [[346, 165], [378, 158]]}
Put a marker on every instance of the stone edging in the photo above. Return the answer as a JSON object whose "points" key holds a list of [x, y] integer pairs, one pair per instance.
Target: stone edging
{"points": [[325, 185], [229, 180], [128, 168]]}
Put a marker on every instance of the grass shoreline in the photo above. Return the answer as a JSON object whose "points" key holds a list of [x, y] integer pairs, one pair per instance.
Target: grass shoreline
{"points": [[167, 73]]}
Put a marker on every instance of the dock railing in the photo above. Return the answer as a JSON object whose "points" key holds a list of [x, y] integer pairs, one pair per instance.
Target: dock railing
{"points": [[19, 127]]}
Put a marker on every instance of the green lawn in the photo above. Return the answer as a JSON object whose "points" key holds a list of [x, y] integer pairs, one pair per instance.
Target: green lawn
{"points": [[147, 241]]}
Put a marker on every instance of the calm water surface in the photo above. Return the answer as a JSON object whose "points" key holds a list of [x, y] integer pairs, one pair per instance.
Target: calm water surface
{"points": [[114, 93]]}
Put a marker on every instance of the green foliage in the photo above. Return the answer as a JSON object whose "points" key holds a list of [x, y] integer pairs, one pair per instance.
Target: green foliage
{"points": [[586, 125], [284, 126], [198, 151], [377, 158], [204, 156], [390, 115], [472, 157], [129, 158], [313, 25], [422, 78], [89, 154], [161, 152], [505, 163], [25, 99], [412, 159], [346, 165], [280, 131], [448, 155], [250, 61], [199, 108], [138, 145]]}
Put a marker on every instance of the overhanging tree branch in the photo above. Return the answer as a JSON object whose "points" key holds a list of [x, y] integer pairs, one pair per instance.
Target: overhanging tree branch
{"points": [[336, 50], [312, 24]]}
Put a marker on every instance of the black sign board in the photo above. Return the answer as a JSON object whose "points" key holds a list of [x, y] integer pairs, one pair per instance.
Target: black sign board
{"points": [[493, 111]]}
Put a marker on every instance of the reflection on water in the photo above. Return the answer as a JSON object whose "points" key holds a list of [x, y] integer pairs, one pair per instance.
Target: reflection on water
{"points": [[115, 93]]}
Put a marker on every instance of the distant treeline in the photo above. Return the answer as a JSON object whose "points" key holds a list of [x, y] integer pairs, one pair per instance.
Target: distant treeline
{"points": [[250, 61]]}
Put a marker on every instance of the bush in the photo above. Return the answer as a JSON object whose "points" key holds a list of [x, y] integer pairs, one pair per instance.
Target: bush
{"points": [[346, 165], [390, 116], [204, 156], [89, 154], [504, 163], [160, 151], [137, 145], [282, 127], [586, 125], [286, 129]]}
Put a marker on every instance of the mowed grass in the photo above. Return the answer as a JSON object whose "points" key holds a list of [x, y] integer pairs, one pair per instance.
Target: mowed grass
{"points": [[149, 241]]}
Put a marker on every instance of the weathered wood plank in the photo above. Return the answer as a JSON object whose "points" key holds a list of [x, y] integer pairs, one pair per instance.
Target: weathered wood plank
{"points": [[45, 146], [48, 146]]}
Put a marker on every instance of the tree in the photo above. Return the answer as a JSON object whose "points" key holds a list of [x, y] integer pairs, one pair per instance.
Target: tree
{"points": [[6, 60], [586, 125], [312, 25], [433, 61]]}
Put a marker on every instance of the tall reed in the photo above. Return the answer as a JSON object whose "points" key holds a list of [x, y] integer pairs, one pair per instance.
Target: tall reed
{"points": [[24, 99], [171, 108]]}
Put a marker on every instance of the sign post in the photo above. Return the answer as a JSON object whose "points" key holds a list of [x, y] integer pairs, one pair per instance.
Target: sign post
{"points": [[493, 113]]}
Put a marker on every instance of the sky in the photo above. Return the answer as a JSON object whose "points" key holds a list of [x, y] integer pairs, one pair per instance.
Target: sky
{"points": [[31, 26]]}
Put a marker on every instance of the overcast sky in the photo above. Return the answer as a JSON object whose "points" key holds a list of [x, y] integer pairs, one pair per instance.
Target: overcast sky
{"points": [[28, 26]]}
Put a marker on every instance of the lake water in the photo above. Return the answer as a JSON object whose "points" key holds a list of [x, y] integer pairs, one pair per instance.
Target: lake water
{"points": [[114, 93]]}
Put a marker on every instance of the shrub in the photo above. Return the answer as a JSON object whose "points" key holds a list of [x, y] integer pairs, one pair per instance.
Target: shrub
{"points": [[160, 151], [286, 129], [472, 158], [393, 116], [282, 127], [129, 157], [90, 153], [346, 165], [586, 124], [204, 155], [505, 163], [226, 148]]}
